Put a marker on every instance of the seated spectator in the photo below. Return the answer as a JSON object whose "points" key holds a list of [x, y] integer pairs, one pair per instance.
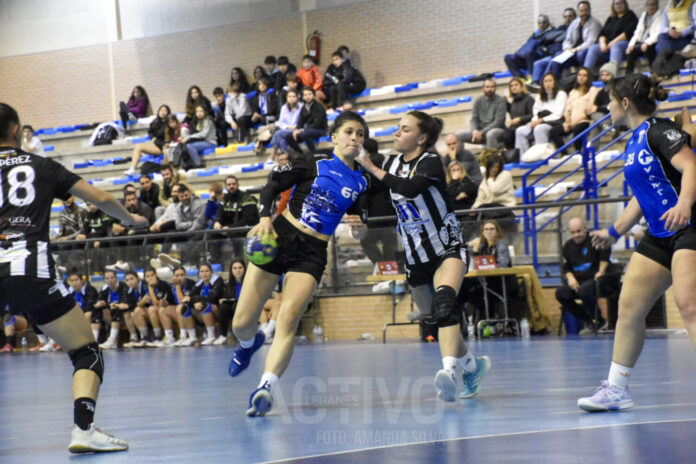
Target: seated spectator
{"points": [[172, 311], [189, 211], [228, 303], [292, 83], [259, 72], [600, 108], [194, 99], [264, 105], [310, 76], [171, 138], [497, 187], [149, 192], [273, 73], [95, 225], [170, 178], [85, 296], [678, 24], [284, 68], [14, 325], [165, 219], [520, 63], [218, 116], [154, 146], [347, 81], [238, 76], [238, 113], [205, 298], [553, 42], [549, 106], [487, 119], [70, 220], [311, 125], [287, 123], [520, 108], [584, 266], [109, 308], [238, 208], [645, 36], [135, 206], [457, 152], [613, 38], [213, 204], [138, 106], [148, 311], [31, 143], [202, 138], [578, 109], [461, 189], [137, 290]]}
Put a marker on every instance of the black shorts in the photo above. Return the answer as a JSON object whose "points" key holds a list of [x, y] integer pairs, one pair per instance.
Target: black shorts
{"points": [[297, 251], [43, 300], [661, 250], [422, 274]]}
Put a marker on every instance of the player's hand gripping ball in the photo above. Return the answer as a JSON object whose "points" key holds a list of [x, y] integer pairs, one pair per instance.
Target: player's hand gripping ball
{"points": [[261, 250]]}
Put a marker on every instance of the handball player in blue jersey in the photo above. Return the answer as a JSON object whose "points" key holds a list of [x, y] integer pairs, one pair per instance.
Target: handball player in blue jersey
{"points": [[325, 188], [660, 168]]}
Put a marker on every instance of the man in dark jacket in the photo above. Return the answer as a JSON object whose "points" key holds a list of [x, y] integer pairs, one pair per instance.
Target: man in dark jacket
{"points": [[347, 81], [520, 63], [311, 125], [238, 208], [149, 192]]}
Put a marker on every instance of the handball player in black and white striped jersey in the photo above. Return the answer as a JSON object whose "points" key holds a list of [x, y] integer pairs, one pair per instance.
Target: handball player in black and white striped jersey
{"points": [[436, 260], [28, 281]]}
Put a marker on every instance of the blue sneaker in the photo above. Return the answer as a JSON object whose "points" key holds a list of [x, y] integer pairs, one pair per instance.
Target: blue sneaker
{"points": [[472, 381], [242, 356], [446, 384], [260, 401], [607, 398]]}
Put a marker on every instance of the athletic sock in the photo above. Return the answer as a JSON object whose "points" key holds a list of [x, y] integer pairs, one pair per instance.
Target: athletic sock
{"points": [[182, 334], [84, 412], [134, 337], [263, 326], [468, 362], [42, 338], [619, 376], [270, 328], [247, 343], [449, 363], [191, 333], [270, 378], [113, 335], [95, 332], [143, 332], [169, 334], [211, 331], [158, 332]]}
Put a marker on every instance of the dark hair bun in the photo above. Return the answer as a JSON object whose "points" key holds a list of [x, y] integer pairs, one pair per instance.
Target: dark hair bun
{"points": [[658, 93], [439, 124]]}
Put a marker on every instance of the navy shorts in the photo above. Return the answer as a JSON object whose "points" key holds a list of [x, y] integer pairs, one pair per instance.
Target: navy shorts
{"points": [[661, 250], [423, 273], [43, 300]]}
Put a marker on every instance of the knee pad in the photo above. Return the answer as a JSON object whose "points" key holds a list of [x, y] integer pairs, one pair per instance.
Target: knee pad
{"points": [[88, 357], [96, 316], [8, 319], [444, 307], [117, 315], [187, 311], [208, 309]]}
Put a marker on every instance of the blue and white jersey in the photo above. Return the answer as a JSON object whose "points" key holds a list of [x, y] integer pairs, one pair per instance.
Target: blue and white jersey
{"points": [[649, 171], [325, 189], [86, 297]]}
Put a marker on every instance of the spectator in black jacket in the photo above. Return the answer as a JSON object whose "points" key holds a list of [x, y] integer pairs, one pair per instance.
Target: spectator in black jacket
{"points": [[292, 83], [238, 208], [284, 68], [149, 192], [272, 72], [520, 109], [520, 63], [195, 98], [218, 115], [113, 301], [156, 142], [461, 190], [348, 81], [311, 125], [264, 105]]}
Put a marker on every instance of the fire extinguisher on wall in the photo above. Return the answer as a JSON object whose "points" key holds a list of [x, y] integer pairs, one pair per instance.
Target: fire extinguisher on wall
{"points": [[314, 46]]}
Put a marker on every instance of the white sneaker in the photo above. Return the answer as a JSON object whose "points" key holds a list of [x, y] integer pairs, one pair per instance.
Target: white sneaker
{"points": [[221, 340], [140, 344], [180, 342], [109, 344], [166, 341], [169, 260], [94, 440], [208, 341], [189, 341], [155, 263], [49, 347], [130, 171], [131, 344], [154, 344], [446, 384]]}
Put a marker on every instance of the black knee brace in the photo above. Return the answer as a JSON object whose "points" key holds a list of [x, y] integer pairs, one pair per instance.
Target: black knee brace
{"points": [[444, 307], [88, 357]]}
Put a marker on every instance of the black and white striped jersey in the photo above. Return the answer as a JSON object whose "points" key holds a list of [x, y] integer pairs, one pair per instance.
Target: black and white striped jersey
{"points": [[427, 223], [28, 185]]}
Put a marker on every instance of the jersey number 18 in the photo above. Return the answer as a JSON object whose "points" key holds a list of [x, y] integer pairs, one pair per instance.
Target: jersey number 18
{"points": [[20, 180]]}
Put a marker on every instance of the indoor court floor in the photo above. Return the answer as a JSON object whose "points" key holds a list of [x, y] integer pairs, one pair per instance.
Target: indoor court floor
{"points": [[360, 402]]}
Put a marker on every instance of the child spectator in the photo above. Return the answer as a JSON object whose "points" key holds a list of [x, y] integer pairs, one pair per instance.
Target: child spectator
{"points": [[264, 105], [259, 72], [310, 76], [289, 116], [154, 146], [238, 113], [213, 203], [272, 72], [195, 98], [292, 83], [311, 125], [218, 115], [203, 136], [171, 137], [32, 143], [347, 80], [238, 76], [138, 106]]}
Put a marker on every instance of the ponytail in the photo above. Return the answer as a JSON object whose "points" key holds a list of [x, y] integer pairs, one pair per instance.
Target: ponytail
{"points": [[644, 92], [428, 125]]}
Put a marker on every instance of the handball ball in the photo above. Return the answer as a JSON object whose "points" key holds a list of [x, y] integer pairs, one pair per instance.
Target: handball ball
{"points": [[260, 250]]}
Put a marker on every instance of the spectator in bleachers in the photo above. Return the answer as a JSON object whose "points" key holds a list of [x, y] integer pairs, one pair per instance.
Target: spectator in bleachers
{"points": [[553, 41], [170, 178], [487, 119], [238, 76], [582, 33], [14, 325], [95, 225], [202, 138], [205, 298], [379, 204], [109, 308], [461, 189], [154, 146], [149, 192], [292, 84], [310, 76], [347, 81], [284, 68], [287, 123], [70, 220], [189, 211], [213, 204], [497, 187], [645, 36], [194, 99], [613, 38], [520, 63], [238, 208], [31, 143], [678, 24], [259, 72], [229, 302], [264, 105], [578, 109], [549, 106], [601, 103], [171, 137], [218, 116], [311, 125], [238, 113], [272, 72], [165, 219], [520, 107], [134, 205], [457, 152], [138, 106]]}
